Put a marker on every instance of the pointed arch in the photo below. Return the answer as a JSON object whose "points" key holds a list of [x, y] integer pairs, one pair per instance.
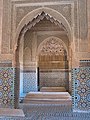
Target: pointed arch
{"points": [[33, 14]]}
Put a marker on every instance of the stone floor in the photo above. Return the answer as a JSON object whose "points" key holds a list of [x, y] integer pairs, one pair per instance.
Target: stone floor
{"points": [[11, 112], [48, 112], [44, 118]]}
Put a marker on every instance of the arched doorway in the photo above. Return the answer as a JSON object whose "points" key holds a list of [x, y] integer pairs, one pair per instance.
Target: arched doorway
{"points": [[53, 63], [55, 28]]}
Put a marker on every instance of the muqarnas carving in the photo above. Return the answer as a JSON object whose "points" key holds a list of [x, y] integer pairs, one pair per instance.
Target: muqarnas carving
{"points": [[7, 87], [81, 88]]}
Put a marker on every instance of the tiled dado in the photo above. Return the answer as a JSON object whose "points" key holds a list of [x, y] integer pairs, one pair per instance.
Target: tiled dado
{"points": [[54, 77], [7, 87], [81, 89], [29, 81]]}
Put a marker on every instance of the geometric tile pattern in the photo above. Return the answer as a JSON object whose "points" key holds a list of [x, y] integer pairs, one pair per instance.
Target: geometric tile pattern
{"points": [[29, 82], [54, 78], [7, 87], [81, 88]]}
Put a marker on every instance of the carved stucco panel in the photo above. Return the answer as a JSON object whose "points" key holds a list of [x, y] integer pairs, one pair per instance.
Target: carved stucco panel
{"points": [[52, 46], [65, 10], [6, 27]]}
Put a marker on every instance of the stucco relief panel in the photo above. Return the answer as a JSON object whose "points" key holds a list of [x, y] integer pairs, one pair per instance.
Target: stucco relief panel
{"points": [[65, 10], [18, 12], [52, 46], [22, 11]]}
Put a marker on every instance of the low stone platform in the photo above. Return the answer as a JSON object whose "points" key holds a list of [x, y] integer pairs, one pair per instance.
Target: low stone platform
{"points": [[11, 112], [48, 98], [53, 89]]}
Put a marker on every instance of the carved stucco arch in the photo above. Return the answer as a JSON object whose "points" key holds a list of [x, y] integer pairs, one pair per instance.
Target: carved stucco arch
{"points": [[33, 14], [58, 40]]}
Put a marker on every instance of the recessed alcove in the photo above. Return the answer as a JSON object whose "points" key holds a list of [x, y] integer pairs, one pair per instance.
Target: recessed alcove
{"points": [[44, 55]]}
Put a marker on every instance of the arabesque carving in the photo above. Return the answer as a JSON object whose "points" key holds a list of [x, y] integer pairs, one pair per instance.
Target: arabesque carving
{"points": [[52, 46]]}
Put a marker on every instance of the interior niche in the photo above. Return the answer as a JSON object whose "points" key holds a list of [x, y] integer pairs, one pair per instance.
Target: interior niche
{"points": [[53, 63]]}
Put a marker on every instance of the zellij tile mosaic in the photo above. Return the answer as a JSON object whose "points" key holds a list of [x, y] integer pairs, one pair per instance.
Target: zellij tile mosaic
{"points": [[81, 88], [7, 87]]}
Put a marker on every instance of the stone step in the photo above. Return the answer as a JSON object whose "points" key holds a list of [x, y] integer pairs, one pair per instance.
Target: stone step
{"points": [[53, 89], [48, 98], [63, 102], [11, 112], [49, 95]]}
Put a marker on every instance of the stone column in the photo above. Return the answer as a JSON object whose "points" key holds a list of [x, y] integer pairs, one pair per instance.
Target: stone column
{"points": [[21, 53], [70, 68], [17, 73]]}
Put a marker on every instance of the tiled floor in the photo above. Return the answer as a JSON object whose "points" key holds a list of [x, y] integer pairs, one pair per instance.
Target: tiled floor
{"points": [[44, 118], [49, 112], [52, 112]]}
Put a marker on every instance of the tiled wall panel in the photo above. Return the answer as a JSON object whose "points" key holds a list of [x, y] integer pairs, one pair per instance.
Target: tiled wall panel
{"points": [[54, 78], [7, 87], [81, 88], [29, 82]]}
